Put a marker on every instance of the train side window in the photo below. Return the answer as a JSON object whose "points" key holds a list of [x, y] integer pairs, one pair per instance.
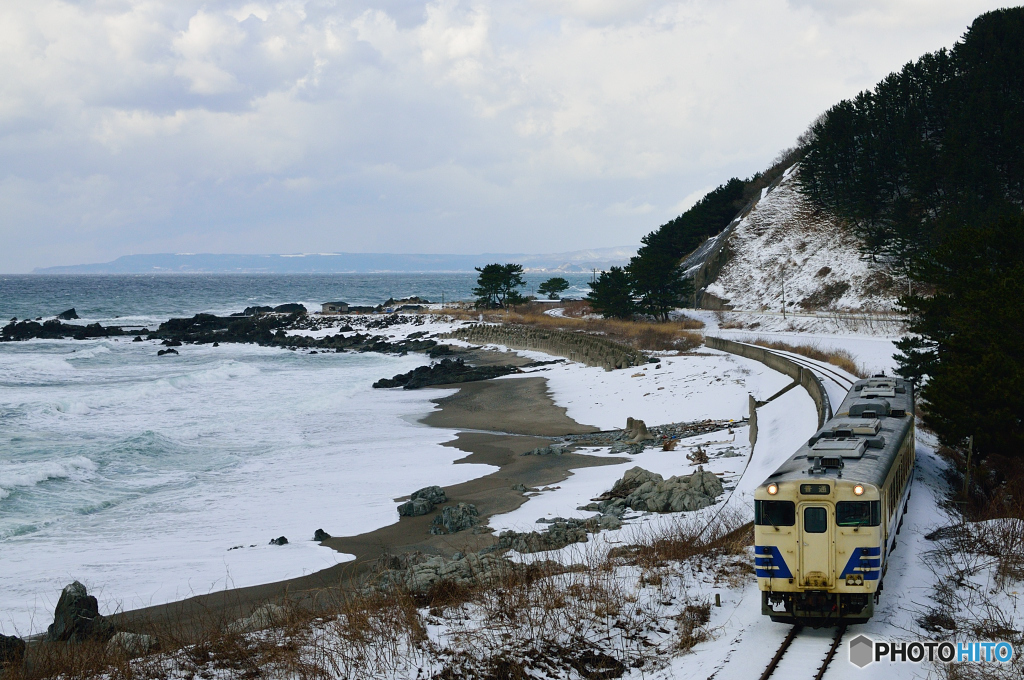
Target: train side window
{"points": [[858, 513], [775, 513], [815, 520]]}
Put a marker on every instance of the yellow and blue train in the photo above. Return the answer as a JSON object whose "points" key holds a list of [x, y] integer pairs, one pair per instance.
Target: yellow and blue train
{"points": [[826, 521]]}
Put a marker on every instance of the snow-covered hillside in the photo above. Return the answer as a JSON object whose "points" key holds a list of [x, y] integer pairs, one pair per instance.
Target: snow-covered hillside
{"points": [[784, 242]]}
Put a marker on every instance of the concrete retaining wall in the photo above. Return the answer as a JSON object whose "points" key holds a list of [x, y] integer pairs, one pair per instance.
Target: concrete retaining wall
{"points": [[805, 377], [586, 349]]}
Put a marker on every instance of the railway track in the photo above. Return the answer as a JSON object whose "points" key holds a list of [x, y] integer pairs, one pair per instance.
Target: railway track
{"points": [[799, 652], [832, 374]]}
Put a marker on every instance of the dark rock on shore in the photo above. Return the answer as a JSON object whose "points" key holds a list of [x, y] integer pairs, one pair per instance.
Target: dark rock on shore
{"points": [[52, 329], [254, 311], [137, 338], [291, 308], [280, 540], [422, 501], [454, 519], [553, 450], [12, 651], [320, 535], [649, 492], [77, 617], [68, 315], [444, 372], [166, 351]]}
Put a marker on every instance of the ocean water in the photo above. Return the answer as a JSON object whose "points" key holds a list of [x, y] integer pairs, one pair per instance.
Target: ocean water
{"points": [[137, 474], [149, 298]]}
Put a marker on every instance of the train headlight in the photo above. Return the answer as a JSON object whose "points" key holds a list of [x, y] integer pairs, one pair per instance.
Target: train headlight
{"points": [[858, 490], [774, 489]]}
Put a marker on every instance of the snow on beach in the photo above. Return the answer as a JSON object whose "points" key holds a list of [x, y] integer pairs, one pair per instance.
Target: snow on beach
{"points": [[137, 475]]}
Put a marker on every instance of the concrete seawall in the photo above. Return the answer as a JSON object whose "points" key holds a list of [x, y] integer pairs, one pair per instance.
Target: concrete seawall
{"points": [[805, 377], [587, 349]]}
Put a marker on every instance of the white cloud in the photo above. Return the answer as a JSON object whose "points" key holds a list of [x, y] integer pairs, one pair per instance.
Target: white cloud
{"points": [[291, 125]]}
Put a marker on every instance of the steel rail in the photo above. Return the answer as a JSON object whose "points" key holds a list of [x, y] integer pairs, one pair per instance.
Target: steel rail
{"points": [[840, 631], [831, 374], [781, 652]]}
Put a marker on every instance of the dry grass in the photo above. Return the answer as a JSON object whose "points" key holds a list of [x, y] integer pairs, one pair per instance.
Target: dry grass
{"points": [[837, 357], [586, 619], [679, 335]]}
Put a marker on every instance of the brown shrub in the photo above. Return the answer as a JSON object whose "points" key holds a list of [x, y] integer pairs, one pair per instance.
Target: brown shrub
{"points": [[837, 357]]}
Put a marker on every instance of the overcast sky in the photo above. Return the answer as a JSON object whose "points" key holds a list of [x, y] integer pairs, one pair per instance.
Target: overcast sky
{"points": [[403, 126]]}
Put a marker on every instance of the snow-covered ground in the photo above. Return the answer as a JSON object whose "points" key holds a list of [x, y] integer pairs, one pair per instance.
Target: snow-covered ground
{"points": [[785, 242], [737, 641]]}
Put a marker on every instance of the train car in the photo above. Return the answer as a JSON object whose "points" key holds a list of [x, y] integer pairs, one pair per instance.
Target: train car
{"points": [[826, 521]]}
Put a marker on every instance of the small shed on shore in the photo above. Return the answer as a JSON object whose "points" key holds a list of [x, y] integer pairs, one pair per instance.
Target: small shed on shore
{"points": [[334, 308]]}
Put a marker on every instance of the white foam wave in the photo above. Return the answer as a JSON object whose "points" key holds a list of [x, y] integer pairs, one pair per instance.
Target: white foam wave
{"points": [[22, 475]]}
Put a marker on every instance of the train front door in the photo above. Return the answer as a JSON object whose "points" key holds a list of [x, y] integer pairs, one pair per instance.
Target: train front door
{"points": [[816, 546]]}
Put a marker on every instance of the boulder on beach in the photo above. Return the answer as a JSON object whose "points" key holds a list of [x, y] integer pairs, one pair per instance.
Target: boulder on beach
{"points": [[646, 491], [12, 650], [68, 315], [77, 617], [320, 535], [454, 519], [261, 618], [423, 501], [131, 644], [280, 540]]}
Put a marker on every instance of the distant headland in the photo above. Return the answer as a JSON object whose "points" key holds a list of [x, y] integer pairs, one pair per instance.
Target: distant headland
{"points": [[359, 263]]}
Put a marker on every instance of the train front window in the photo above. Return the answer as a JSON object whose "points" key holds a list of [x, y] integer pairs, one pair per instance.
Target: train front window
{"points": [[858, 513], [815, 520], [775, 513]]}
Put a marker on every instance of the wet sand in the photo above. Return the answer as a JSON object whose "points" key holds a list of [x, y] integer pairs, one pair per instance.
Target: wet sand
{"points": [[499, 420]]}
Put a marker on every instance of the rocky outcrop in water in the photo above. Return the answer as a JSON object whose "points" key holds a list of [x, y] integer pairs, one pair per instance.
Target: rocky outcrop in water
{"points": [[53, 329], [422, 501], [280, 540], [68, 315], [444, 372], [77, 617], [165, 352], [320, 535], [454, 519]]}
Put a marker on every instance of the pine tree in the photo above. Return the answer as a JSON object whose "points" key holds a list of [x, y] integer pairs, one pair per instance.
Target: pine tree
{"points": [[610, 294], [969, 338], [553, 287], [498, 284]]}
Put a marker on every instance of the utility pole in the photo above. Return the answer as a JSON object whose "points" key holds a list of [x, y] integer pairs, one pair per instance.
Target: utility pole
{"points": [[967, 475], [783, 290]]}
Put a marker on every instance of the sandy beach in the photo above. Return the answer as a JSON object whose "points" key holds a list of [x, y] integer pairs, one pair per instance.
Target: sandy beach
{"points": [[497, 421]]}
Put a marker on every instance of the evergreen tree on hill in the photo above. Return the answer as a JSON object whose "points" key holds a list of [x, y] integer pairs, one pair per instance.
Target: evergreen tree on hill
{"points": [[931, 148], [656, 278], [969, 339]]}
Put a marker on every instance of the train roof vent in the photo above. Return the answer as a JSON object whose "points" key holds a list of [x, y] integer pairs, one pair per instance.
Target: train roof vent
{"points": [[850, 428], [869, 408], [841, 447], [879, 387], [823, 463]]}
